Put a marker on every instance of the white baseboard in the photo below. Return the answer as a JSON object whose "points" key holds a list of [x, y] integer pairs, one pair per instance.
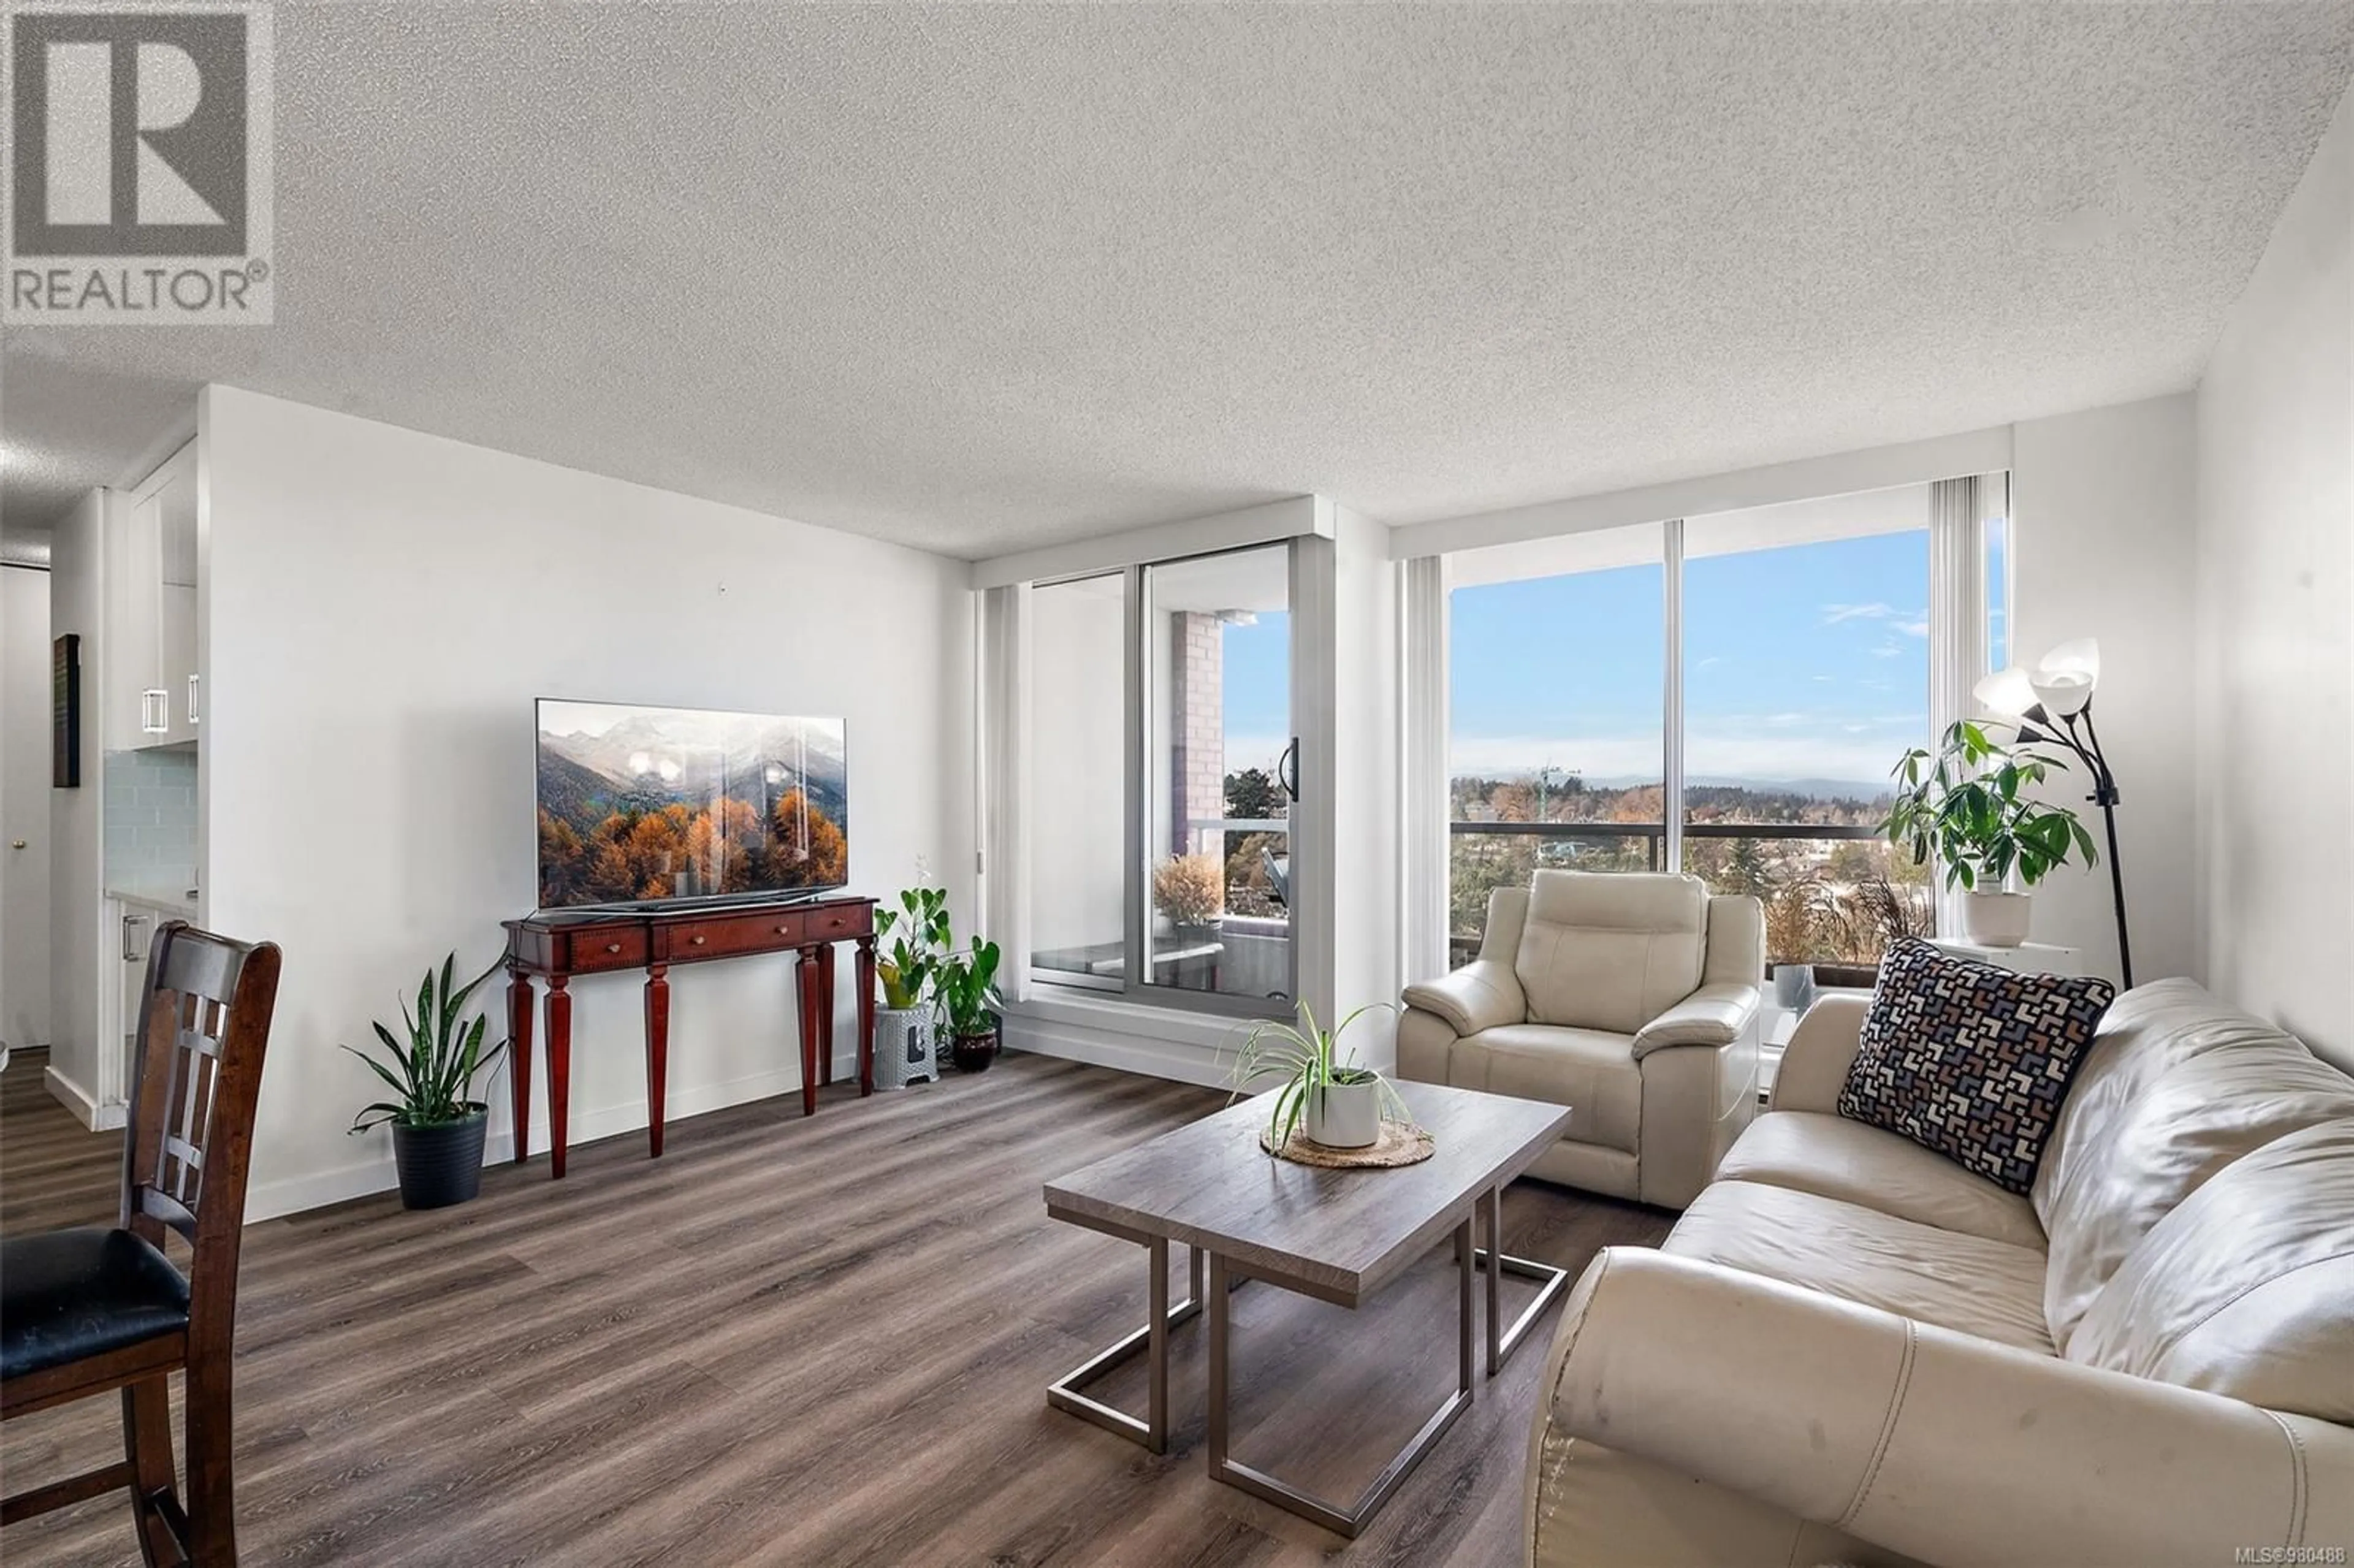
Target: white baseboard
{"points": [[1126, 1053], [82, 1103], [294, 1194]]}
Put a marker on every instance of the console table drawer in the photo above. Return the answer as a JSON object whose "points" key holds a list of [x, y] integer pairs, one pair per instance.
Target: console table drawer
{"points": [[839, 924], [619, 948], [764, 932]]}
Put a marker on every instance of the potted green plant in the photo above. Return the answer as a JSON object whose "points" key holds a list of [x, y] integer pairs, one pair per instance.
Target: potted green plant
{"points": [[1967, 808], [1326, 1094], [437, 1123], [913, 937], [964, 987]]}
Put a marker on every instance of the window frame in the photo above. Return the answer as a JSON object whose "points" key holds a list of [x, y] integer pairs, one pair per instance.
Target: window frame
{"points": [[1135, 986], [1959, 600]]}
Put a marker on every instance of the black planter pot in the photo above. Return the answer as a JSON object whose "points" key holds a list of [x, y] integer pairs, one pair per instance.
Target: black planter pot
{"points": [[441, 1165], [973, 1052]]}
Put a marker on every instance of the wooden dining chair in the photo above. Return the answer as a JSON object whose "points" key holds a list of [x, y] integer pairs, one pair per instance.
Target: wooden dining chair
{"points": [[83, 1313]]}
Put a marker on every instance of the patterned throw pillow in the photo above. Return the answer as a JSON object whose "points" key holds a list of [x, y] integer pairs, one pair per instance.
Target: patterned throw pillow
{"points": [[1971, 1060]]}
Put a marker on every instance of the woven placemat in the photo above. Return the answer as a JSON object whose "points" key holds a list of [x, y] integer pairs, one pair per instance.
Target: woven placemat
{"points": [[1401, 1143]]}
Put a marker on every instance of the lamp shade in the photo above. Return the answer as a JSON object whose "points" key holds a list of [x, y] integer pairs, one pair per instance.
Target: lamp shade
{"points": [[2006, 694], [2064, 681]]}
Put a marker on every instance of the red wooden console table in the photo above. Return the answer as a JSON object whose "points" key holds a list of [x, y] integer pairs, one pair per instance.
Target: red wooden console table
{"points": [[555, 944]]}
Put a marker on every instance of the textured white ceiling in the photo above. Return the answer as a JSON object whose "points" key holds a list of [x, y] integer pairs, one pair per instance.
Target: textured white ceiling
{"points": [[979, 278]]}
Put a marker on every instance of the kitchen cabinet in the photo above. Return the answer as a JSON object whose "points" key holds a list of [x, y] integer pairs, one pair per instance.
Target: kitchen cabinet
{"points": [[155, 689]]}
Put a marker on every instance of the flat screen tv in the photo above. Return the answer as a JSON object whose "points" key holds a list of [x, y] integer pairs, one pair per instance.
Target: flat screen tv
{"points": [[641, 805]]}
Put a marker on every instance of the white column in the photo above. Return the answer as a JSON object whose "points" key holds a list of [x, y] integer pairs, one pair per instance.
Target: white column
{"points": [[1002, 672]]}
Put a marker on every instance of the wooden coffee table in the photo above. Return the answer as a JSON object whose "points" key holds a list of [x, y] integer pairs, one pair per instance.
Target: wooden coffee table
{"points": [[1337, 1236]]}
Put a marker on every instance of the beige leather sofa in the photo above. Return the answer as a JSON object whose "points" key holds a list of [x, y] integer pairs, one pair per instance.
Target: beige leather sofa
{"points": [[1852, 1350], [1631, 998]]}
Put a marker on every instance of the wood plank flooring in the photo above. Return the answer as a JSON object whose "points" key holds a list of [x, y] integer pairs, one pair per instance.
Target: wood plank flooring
{"points": [[820, 1341]]}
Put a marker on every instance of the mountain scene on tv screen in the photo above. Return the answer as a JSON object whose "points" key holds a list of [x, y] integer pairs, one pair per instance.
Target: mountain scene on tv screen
{"points": [[651, 803]]}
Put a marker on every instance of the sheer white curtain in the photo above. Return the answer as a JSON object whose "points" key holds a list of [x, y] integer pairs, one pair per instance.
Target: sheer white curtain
{"points": [[1423, 790], [1003, 669], [1957, 614]]}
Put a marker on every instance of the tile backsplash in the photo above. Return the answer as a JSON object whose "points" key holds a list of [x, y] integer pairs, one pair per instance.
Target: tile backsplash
{"points": [[151, 818]]}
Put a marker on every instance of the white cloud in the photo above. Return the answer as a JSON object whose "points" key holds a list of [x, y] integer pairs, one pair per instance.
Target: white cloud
{"points": [[1888, 650], [1255, 751], [1911, 622]]}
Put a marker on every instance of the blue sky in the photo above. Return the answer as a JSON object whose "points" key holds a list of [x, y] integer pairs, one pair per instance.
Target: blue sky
{"points": [[1258, 691], [1809, 662]]}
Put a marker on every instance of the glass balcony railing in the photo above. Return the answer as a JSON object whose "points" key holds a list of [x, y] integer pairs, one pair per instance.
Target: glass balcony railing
{"points": [[1835, 894]]}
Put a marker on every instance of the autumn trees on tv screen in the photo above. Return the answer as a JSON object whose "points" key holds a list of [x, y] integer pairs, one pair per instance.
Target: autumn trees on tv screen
{"points": [[681, 852]]}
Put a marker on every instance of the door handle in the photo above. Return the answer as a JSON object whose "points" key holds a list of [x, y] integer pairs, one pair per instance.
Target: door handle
{"points": [[16, 843], [1287, 768], [194, 717]]}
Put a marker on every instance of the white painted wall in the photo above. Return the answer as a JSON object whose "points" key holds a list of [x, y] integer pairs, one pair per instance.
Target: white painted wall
{"points": [[2276, 691], [25, 734], [82, 961], [2103, 504], [380, 609]]}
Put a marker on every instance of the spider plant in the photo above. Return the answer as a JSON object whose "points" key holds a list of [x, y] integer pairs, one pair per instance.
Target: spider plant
{"points": [[434, 1074], [1306, 1060]]}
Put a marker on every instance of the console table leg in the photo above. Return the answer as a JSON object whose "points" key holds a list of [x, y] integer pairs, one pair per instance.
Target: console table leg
{"points": [[866, 1015], [657, 1052], [519, 1010], [559, 1071], [825, 1014], [805, 973]]}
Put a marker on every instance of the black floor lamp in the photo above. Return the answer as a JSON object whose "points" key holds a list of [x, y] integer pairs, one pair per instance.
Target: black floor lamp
{"points": [[2054, 702]]}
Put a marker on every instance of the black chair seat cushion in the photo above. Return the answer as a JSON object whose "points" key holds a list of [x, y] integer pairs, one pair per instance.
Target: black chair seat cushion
{"points": [[68, 1295]]}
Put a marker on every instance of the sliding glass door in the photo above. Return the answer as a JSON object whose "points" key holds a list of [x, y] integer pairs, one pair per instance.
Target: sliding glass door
{"points": [[1161, 778], [1079, 839], [1219, 776]]}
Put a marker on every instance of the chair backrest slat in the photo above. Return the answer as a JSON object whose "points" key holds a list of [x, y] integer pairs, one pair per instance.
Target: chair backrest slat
{"points": [[207, 967], [204, 1026]]}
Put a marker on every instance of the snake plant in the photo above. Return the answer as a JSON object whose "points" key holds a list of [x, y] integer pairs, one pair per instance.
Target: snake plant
{"points": [[433, 1074]]}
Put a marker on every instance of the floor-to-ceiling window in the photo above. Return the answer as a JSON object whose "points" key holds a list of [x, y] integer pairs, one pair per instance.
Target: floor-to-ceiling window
{"points": [[1805, 677], [1555, 758], [1723, 695]]}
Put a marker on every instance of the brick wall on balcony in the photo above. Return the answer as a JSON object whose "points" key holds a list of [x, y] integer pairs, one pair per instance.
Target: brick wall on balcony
{"points": [[1197, 773]]}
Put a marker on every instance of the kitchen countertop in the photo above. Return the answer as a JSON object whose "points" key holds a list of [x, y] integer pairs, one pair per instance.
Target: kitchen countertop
{"points": [[172, 901]]}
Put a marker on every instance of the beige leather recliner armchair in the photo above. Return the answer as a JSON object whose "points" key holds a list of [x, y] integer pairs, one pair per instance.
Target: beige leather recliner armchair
{"points": [[1632, 998]]}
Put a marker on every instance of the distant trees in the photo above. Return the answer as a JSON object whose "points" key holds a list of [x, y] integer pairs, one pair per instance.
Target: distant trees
{"points": [[1252, 794], [1827, 900]]}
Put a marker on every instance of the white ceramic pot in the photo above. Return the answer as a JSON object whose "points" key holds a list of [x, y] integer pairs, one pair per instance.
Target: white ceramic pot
{"points": [[1346, 1116], [1996, 919]]}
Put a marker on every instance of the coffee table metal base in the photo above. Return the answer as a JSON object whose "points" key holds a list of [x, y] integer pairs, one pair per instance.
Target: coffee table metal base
{"points": [[1064, 1393], [1350, 1520], [1503, 1341]]}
